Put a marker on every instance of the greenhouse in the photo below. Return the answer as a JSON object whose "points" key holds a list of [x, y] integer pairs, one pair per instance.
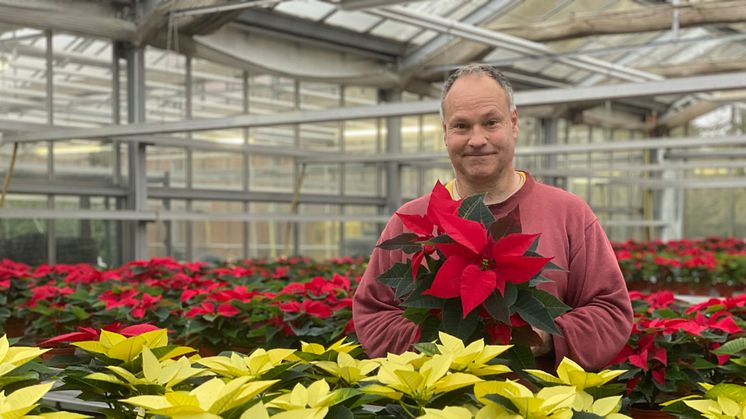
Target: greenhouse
{"points": [[259, 208]]}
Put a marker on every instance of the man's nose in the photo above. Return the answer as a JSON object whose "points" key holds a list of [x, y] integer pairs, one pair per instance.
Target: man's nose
{"points": [[478, 137]]}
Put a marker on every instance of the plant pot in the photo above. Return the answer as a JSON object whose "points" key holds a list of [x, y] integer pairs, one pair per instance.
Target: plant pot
{"points": [[15, 327], [643, 413]]}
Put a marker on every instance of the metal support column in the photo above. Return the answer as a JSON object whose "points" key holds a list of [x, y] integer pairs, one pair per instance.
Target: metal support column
{"points": [[393, 145], [116, 257], [298, 170], [137, 245], [245, 164], [549, 161], [188, 97], [51, 226], [671, 206]]}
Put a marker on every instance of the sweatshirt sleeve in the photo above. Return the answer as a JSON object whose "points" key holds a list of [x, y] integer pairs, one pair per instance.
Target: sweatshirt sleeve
{"points": [[379, 322], [600, 321]]}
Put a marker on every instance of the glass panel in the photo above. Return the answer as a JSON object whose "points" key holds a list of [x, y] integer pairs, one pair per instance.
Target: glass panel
{"points": [[217, 170], [322, 136], [217, 90], [82, 80], [360, 179], [280, 136], [321, 178], [24, 240], [310, 9], [359, 237], [217, 240], [23, 75], [356, 21], [410, 182], [271, 94], [315, 96], [271, 173], [31, 161], [410, 134], [432, 133], [361, 136], [83, 161], [166, 166], [268, 238], [320, 239], [165, 85]]}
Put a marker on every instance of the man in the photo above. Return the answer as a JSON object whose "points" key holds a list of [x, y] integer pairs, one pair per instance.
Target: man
{"points": [[480, 126]]}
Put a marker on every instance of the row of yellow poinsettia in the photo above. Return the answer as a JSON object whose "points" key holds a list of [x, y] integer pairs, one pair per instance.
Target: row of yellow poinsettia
{"points": [[142, 376]]}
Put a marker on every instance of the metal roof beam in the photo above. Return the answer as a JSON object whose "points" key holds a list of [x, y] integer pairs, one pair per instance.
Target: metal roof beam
{"points": [[727, 81], [305, 30], [509, 42]]}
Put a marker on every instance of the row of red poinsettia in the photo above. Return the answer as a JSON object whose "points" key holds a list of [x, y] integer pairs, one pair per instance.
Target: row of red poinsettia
{"points": [[248, 304], [713, 265]]}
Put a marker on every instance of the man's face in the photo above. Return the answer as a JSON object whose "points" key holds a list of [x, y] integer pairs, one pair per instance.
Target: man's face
{"points": [[479, 130]]}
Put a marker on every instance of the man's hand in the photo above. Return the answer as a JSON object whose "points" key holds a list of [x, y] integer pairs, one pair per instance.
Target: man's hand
{"points": [[546, 343]]}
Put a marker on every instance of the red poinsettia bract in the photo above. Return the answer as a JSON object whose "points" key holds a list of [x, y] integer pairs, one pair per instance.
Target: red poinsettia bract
{"points": [[476, 265], [428, 225]]}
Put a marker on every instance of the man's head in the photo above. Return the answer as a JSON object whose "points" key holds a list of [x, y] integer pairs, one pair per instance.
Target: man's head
{"points": [[477, 69], [480, 125]]}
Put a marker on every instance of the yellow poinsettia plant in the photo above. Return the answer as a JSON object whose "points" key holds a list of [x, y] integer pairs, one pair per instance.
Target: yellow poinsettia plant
{"points": [[587, 386], [207, 401], [165, 374], [113, 346], [12, 357], [720, 401], [17, 404], [255, 366]]}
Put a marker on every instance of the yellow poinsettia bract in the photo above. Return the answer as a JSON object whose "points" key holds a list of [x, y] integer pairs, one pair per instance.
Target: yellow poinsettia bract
{"points": [[722, 408], [116, 346], [208, 400], [431, 379], [571, 374], [12, 357], [347, 368], [607, 407], [450, 412], [339, 346], [554, 402], [167, 373], [310, 402], [473, 358], [255, 365], [16, 404]]}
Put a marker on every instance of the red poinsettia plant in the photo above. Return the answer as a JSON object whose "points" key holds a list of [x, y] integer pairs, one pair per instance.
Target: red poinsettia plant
{"points": [[471, 275]]}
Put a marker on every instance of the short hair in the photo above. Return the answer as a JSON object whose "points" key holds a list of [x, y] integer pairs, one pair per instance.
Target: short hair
{"points": [[477, 69]]}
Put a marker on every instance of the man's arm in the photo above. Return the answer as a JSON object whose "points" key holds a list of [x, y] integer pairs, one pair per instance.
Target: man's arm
{"points": [[378, 317], [600, 321]]}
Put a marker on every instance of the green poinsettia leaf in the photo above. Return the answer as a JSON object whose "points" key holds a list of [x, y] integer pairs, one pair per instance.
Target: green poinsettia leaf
{"points": [[455, 324], [339, 412], [519, 357], [732, 347], [427, 348], [538, 279], [585, 415], [406, 242], [552, 303], [399, 277], [535, 313], [499, 305], [473, 208], [509, 224]]}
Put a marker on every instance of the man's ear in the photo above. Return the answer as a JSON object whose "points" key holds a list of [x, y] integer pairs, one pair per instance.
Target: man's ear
{"points": [[443, 126], [514, 122]]}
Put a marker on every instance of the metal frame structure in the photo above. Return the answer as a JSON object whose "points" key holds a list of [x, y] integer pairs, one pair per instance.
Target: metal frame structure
{"points": [[658, 169]]}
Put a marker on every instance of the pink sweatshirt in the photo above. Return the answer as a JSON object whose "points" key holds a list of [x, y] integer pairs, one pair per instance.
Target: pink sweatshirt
{"points": [[595, 329]]}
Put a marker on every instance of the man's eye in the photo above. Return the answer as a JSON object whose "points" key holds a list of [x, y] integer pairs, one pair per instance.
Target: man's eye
{"points": [[492, 123], [459, 126]]}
